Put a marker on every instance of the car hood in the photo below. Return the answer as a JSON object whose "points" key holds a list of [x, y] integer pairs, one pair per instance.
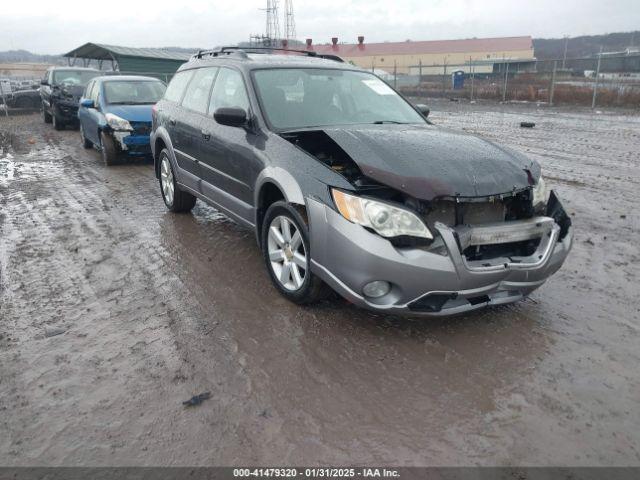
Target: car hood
{"points": [[132, 113], [428, 162]]}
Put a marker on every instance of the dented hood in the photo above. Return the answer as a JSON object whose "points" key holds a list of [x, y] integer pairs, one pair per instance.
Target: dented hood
{"points": [[427, 162]]}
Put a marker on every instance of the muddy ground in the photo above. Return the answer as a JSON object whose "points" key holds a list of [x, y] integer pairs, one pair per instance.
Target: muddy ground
{"points": [[157, 307]]}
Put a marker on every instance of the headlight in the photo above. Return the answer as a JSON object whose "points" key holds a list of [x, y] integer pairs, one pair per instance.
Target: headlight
{"points": [[118, 123], [540, 193], [386, 220]]}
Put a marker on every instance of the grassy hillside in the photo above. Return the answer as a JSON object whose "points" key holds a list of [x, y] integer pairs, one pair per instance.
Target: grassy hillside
{"points": [[586, 46]]}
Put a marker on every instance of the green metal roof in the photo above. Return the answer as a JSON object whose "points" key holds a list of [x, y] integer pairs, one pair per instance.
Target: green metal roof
{"points": [[100, 51]]}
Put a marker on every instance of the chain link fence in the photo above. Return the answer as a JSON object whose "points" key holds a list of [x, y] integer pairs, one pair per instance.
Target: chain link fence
{"points": [[606, 80]]}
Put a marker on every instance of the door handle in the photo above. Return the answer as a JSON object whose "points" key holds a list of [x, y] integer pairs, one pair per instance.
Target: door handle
{"points": [[206, 135], [172, 122]]}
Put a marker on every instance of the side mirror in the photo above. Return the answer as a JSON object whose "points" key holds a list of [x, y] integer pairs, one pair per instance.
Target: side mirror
{"points": [[44, 82], [232, 117], [423, 109], [87, 103]]}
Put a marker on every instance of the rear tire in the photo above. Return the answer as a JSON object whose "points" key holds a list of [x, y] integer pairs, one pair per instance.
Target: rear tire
{"points": [[108, 150], [45, 115], [287, 255], [176, 200]]}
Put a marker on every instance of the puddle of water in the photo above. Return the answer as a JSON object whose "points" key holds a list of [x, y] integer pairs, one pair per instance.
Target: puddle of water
{"points": [[30, 166]]}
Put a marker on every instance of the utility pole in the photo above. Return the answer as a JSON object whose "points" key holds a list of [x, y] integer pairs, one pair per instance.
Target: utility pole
{"points": [[506, 79], [395, 74], [566, 44], [472, 70], [444, 76], [595, 87], [553, 83]]}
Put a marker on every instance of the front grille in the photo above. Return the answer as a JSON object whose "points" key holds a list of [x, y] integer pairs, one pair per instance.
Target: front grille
{"points": [[141, 128]]}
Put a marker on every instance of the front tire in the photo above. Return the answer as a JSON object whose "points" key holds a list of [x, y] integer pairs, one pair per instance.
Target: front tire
{"points": [[57, 123], [83, 139], [176, 200], [108, 150], [286, 253], [45, 115]]}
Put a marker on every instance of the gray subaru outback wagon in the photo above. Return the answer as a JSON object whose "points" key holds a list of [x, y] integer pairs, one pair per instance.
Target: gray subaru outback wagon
{"points": [[348, 185]]}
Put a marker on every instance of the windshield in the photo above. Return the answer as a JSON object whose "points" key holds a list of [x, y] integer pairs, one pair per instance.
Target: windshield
{"points": [[73, 77], [134, 92], [309, 97]]}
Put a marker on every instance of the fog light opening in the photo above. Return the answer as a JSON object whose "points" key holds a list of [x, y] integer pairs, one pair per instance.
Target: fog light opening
{"points": [[376, 289]]}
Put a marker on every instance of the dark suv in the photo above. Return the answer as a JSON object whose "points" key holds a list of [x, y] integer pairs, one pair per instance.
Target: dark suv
{"points": [[61, 90], [345, 183]]}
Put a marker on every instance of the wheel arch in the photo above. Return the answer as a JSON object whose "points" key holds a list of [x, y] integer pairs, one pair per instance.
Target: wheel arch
{"points": [[275, 184], [160, 141]]}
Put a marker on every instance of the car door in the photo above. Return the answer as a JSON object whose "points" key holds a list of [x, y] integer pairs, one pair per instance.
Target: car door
{"points": [[94, 118], [188, 123], [229, 160], [83, 112]]}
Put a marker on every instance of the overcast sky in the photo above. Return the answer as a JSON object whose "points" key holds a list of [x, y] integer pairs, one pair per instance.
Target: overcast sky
{"points": [[57, 26]]}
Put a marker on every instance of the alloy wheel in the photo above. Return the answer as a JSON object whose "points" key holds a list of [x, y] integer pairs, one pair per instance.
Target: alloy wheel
{"points": [[287, 255], [166, 180]]}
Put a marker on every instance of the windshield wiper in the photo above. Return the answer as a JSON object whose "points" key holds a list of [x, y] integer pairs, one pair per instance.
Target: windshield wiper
{"points": [[380, 122]]}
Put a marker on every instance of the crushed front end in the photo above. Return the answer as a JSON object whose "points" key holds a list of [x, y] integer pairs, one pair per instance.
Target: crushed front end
{"points": [[395, 244], [131, 138], [465, 267]]}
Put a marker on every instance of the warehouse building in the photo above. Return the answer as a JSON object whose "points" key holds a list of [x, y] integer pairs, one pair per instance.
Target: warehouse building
{"points": [[157, 62], [487, 55]]}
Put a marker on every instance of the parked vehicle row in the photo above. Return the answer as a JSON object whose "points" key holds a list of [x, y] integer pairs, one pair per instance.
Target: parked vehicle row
{"points": [[112, 113], [348, 185]]}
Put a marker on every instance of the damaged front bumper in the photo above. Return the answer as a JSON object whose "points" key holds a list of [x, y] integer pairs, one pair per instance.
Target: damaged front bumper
{"points": [[131, 143], [433, 282]]}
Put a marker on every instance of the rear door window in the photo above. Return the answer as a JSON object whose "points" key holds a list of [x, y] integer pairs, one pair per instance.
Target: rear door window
{"points": [[197, 96], [229, 91], [177, 86]]}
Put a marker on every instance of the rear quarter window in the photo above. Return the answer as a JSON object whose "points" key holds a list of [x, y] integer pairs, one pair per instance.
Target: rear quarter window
{"points": [[197, 96], [177, 86]]}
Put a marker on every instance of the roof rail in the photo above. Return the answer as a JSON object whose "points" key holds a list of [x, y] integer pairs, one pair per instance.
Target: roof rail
{"points": [[242, 51]]}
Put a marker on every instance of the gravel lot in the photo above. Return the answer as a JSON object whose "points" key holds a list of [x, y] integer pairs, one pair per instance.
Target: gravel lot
{"points": [[155, 307]]}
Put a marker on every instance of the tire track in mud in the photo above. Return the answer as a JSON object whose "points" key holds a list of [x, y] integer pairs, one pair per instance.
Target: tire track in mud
{"points": [[79, 249]]}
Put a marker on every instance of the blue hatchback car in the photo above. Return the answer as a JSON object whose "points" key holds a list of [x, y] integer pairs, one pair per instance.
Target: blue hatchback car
{"points": [[115, 115]]}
